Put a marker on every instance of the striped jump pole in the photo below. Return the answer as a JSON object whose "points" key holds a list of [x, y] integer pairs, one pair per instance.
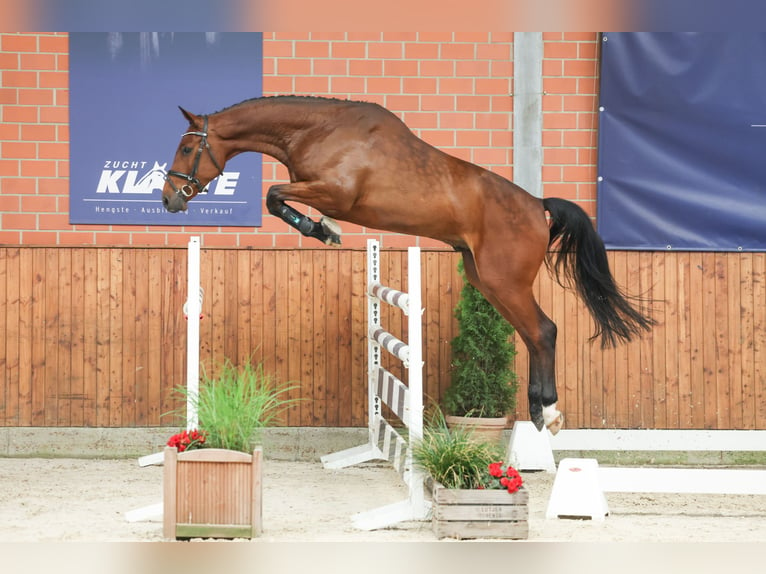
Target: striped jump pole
{"points": [[404, 400]]}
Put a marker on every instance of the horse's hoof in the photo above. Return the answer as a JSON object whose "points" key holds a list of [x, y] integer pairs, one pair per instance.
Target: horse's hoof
{"points": [[331, 230], [538, 421], [553, 418], [556, 425]]}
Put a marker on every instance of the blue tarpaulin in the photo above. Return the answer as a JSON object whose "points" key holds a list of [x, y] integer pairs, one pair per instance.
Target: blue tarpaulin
{"points": [[682, 141]]}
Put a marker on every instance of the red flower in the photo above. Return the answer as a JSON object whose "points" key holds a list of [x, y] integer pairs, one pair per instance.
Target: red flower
{"points": [[495, 469]]}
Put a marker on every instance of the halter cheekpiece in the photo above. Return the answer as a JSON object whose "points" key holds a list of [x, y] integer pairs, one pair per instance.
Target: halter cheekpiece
{"points": [[186, 191]]}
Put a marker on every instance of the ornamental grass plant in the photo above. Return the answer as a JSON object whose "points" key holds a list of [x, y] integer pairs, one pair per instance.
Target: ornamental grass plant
{"points": [[235, 406], [453, 457]]}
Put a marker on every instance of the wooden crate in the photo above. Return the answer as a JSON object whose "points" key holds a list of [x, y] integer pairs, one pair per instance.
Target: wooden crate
{"points": [[467, 514], [212, 493]]}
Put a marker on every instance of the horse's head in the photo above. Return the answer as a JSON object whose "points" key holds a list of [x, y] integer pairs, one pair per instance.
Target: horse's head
{"points": [[194, 166]]}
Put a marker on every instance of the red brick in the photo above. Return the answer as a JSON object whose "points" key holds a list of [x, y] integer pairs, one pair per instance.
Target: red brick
{"points": [[419, 51], [559, 121], [472, 68], [552, 138], [457, 120], [330, 36], [384, 85], [53, 221], [9, 203], [493, 86], [38, 132], [39, 238], [18, 221], [581, 36], [574, 103], [18, 43], [262, 240], [563, 190], [9, 168], [501, 139], [57, 44], [551, 173], [456, 86], [53, 186], [18, 150], [439, 138], [278, 85], [579, 173], [62, 97], [493, 52], [19, 79], [17, 185], [419, 85], [9, 96], [561, 50], [587, 50], [76, 238], [579, 139], [10, 237], [403, 103], [385, 50], [364, 36], [53, 151], [278, 49], [587, 120], [560, 85], [9, 61], [489, 156], [585, 68], [366, 67], [312, 85], [400, 68], [435, 37], [54, 80], [340, 86], [400, 36], [438, 103], [312, 49], [553, 67], [559, 156], [552, 36], [473, 103], [501, 69], [38, 168], [472, 138], [348, 50], [477, 37], [35, 97], [38, 62], [442, 68], [293, 67], [492, 121], [331, 67]]}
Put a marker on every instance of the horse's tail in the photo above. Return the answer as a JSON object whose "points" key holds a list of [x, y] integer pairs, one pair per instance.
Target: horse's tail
{"points": [[581, 260]]}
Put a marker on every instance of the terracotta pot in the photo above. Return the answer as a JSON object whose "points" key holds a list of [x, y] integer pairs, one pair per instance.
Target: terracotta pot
{"points": [[488, 429]]}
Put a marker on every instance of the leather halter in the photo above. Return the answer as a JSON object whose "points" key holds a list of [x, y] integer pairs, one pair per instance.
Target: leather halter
{"points": [[186, 191]]}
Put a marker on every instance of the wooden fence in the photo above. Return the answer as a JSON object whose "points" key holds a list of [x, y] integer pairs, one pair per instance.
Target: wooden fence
{"points": [[96, 337]]}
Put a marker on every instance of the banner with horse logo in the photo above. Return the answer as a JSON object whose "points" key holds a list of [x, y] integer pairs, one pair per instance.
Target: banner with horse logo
{"points": [[125, 89]]}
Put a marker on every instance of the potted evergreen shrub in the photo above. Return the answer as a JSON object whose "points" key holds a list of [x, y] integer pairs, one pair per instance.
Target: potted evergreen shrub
{"points": [[482, 392], [212, 475]]}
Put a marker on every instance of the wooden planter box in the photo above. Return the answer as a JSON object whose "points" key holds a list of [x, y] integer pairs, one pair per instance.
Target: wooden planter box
{"points": [[212, 493], [466, 514]]}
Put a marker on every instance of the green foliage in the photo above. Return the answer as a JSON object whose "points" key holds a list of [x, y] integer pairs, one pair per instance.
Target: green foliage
{"points": [[453, 457], [483, 383], [235, 406]]}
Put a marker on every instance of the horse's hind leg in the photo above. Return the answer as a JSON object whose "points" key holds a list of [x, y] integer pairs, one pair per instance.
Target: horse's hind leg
{"points": [[511, 294], [325, 230]]}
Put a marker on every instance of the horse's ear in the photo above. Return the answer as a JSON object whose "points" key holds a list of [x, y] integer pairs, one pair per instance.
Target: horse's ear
{"points": [[193, 120]]}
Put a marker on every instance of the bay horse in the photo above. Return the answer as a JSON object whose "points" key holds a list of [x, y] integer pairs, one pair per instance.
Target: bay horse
{"points": [[358, 162]]}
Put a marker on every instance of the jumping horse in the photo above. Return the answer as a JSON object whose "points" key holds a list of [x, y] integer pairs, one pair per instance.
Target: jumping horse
{"points": [[358, 162]]}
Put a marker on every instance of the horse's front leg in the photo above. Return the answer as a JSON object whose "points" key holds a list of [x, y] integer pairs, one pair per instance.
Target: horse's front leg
{"points": [[325, 230]]}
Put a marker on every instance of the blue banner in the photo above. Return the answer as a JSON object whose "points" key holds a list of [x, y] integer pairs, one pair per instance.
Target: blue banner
{"points": [[125, 89], [682, 137]]}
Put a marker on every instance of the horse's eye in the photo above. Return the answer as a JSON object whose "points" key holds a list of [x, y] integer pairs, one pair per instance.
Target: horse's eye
{"points": [[186, 150]]}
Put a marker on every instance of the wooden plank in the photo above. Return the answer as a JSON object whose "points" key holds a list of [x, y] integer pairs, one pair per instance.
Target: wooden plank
{"points": [[659, 344], [11, 364], [51, 337], [356, 398], [26, 278], [305, 347], [116, 293], [670, 341], [292, 349], [244, 308], [129, 338], [747, 334], [759, 339], [697, 339], [38, 338], [346, 337], [319, 345], [709, 351], [77, 340], [141, 367], [683, 341], [647, 398], [332, 337], [152, 371]]}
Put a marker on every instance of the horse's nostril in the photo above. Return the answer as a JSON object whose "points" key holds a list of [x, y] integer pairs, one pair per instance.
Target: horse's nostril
{"points": [[165, 201]]}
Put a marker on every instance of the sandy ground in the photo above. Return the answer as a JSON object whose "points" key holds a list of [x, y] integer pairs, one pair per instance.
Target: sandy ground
{"points": [[86, 500]]}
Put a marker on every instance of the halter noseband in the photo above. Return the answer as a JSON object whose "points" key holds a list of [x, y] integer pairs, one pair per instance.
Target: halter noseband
{"points": [[186, 191]]}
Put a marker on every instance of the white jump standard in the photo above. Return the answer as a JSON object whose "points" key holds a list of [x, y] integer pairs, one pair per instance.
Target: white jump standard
{"points": [[405, 401]]}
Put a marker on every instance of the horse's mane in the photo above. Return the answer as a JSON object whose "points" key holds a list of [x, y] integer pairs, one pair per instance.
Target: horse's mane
{"points": [[289, 98]]}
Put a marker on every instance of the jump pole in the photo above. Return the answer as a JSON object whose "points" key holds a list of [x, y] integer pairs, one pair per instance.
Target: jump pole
{"points": [[193, 311], [405, 401]]}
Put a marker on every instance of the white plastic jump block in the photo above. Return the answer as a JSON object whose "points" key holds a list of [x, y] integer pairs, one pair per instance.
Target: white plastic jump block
{"points": [[530, 449], [577, 491]]}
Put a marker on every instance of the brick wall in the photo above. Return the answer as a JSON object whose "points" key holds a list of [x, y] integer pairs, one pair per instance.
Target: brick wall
{"points": [[453, 89]]}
